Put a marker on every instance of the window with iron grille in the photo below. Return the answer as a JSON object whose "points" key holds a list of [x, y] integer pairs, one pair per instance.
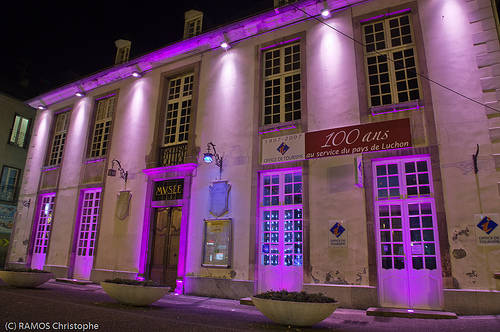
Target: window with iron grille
{"points": [[178, 112], [59, 138], [282, 84], [102, 126], [391, 81], [19, 132]]}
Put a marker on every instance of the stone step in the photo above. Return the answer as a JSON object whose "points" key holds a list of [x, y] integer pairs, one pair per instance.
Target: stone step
{"points": [[246, 301], [410, 313], [74, 281]]}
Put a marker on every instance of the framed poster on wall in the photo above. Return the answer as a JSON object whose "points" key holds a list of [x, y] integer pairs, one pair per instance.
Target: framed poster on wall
{"points": [[217, 241]]}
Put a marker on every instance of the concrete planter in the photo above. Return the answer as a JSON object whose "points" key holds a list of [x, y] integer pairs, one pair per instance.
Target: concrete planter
{"points": [[134, 294], [25, 279], [294, 313]]}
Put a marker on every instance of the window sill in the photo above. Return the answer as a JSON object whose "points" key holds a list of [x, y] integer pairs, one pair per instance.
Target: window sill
{"points": [[415, 105], [265, 129]]}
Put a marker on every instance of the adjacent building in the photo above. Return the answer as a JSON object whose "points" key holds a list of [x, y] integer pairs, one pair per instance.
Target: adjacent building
{"points": [[353, 152], [16, 120]]}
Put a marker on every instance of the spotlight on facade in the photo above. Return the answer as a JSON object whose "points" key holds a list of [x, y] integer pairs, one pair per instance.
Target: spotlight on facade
{"points": [[136, 74], [42, 107], [225, 45], [325, 13], [80, 94]]}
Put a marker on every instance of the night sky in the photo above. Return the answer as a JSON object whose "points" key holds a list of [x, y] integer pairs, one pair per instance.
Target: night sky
{"points": [[46, 44]]}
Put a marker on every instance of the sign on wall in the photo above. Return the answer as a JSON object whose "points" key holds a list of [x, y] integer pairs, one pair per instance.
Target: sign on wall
{"points": [[386, 135], [217, 243], [168, 190], [487, 230], [337, 234], [370, 137], [283, 149]]}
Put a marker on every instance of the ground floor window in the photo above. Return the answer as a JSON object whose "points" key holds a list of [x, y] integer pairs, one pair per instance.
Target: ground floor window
{"points": [[43, 225]]}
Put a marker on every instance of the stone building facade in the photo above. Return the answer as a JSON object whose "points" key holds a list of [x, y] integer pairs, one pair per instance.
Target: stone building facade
{"points": [[342, 160]]}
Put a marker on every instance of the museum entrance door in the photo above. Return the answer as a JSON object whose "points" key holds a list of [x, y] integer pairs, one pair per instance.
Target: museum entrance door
{"points": [[280, 231], [165, 245], [408, 258]]}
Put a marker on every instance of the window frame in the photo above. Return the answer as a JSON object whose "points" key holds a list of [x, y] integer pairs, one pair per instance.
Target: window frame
{"points": [[15, 187], [388, 51], [53, 134], [92, 128], [26, 134], [301, 123], [165, 109]]}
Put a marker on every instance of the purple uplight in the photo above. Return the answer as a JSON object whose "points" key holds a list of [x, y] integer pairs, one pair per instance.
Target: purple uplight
{"points": [[386, 15], [91, 161], [50, 169], [276, 129], [280, 43], [104, 97], [417, 108]]}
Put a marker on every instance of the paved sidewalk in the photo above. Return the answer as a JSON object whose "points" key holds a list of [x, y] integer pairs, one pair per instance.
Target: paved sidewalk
{"points": [[66, 303]]}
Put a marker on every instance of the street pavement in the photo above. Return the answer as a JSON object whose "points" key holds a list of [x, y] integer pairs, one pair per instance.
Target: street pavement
{"points": [[55, 304]]}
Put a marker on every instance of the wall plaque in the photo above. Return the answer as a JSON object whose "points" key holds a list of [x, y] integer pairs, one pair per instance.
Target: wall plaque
{"points": [[219, 197], [217, 243], [168, 190]]}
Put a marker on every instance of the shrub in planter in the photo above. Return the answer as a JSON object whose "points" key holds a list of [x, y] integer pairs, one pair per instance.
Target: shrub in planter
{"points": [[134, 292], [25, 277], [295, 308]]}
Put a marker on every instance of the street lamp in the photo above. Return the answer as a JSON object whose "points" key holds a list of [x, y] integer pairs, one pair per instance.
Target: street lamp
{"points": [[208, 157]]}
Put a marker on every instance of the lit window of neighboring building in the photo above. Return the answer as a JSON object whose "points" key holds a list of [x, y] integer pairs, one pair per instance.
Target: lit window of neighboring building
{"points": [[59, 138], [8, 183], [282, 84], [178, 113], [101, 133], [391, 82], [19, 133]]}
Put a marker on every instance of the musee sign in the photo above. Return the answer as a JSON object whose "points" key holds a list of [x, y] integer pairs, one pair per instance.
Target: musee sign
{"points": [[168, 190], [369, 137]]}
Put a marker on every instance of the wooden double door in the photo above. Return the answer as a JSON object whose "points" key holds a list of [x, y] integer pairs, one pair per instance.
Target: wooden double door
{"points": [[165, 245]]}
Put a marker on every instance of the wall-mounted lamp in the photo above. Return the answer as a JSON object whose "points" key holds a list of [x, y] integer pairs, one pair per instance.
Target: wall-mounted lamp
{"points": [[42, 107], [80, 94], [123, 173], [136, 74], [209, 157], [325, 12], [225, 43]]}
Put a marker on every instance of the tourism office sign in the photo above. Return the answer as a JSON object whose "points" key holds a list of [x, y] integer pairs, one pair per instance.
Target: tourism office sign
{"points": [[370, 137]]}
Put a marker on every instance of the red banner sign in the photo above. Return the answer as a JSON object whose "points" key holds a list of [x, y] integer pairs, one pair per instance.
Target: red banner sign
{"points": [[369, 137]]}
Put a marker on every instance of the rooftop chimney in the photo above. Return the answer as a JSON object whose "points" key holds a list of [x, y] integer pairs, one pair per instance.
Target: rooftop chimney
{"points": [[122, 51], [193, 20]]}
